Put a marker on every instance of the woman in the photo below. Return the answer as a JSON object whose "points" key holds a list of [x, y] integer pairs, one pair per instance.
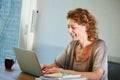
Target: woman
{"points": [[86, 53]]}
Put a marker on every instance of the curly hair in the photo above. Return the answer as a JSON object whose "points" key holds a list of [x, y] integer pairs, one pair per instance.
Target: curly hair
{"points": [[83, 17]]}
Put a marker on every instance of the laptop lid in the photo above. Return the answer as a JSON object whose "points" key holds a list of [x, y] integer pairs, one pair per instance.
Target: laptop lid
{"points": [[28, 61]]}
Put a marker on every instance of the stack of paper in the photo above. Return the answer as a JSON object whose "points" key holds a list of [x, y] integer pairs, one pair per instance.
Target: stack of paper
{"points": [[72, 77], [58, 76]]}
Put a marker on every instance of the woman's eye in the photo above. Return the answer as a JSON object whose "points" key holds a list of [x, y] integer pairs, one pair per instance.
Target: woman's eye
{"points": [[73, 27], [68, 27]]}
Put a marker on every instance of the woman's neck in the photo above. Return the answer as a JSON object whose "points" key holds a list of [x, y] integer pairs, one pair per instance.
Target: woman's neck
{"points": [[84, 42]]}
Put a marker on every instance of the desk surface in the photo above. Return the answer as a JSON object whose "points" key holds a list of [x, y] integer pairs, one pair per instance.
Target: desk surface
{"points": [[14, 74]]}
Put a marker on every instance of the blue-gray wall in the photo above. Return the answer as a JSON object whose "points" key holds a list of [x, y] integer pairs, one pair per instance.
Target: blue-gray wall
{"points": [[51, 36]]}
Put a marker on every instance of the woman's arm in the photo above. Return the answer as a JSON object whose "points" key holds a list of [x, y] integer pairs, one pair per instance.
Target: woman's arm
{"points": [[95, 75], [53, 68]]}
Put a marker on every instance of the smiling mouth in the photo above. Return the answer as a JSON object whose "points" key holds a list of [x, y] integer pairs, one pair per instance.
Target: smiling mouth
{"points": [[73, 36]]}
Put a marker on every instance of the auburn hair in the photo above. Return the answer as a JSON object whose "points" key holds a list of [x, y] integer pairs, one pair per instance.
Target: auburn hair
{"points": [[83, 17]]}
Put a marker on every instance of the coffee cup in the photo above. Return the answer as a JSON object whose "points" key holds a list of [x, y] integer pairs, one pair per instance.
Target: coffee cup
{"points": [[9, 63]]}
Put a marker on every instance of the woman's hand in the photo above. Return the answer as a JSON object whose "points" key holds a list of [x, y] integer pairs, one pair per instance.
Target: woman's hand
{"points": [[45, 66], [52, 70]]}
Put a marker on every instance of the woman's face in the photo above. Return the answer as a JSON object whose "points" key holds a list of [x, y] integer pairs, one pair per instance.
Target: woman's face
{"points": [[76, 31]]}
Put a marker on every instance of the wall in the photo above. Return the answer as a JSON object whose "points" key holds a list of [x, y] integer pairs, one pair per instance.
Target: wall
{"points": [[51, 36]]}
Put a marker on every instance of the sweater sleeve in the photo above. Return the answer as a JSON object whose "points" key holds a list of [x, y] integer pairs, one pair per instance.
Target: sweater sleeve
{"points": [[64, 59], [100, 57], [60, 60]]}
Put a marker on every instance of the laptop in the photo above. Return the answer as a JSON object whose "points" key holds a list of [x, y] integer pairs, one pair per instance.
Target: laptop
{"points": [[28, 61]]}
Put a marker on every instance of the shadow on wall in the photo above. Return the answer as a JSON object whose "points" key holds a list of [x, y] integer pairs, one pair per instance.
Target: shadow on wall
{"points": [[48, 53]]}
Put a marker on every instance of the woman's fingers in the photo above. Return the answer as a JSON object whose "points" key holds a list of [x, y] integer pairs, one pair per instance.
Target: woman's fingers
{"points": [[52, 70]]}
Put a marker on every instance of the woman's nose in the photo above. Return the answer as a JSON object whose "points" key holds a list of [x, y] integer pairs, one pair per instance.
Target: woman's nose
{"points": [[69, 30]]}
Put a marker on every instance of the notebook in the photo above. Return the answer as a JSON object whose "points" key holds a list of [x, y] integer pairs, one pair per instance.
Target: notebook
{"points": [[28, 61]]}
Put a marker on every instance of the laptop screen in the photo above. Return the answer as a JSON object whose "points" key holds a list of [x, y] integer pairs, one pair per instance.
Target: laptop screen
{"points": [[28, 61]]}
